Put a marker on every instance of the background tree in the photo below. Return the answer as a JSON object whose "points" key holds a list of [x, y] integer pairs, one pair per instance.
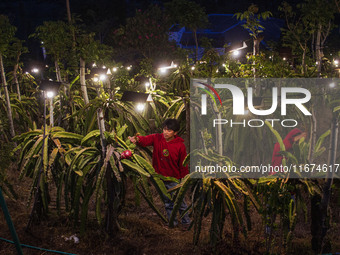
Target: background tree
{"points": [[252, 23], [15, 51], [297, 34], [144, 36], [7, 32], [57, 39], [190, 15], [319, 14], [89, 50], [337, 3]]}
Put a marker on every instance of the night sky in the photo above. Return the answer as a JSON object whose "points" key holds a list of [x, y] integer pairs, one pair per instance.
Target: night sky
{"points": [[97, 15], [103, 16]]}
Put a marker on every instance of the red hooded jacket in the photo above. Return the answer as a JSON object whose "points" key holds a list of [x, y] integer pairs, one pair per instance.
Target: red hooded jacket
{"points": [[167, 157], [288, 142]]}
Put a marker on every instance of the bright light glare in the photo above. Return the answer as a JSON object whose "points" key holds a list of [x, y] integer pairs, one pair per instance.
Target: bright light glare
{"points": [[35, 70], [95, 79], [140, 107], [192, 68], [332, 85], [149, 99], [162, 70], [236, 53], [50, 94], [102, 77], [284, 59], [104, 67], [128, 68], [114, 69], [94, 65], [336, 62], [147, 84]]}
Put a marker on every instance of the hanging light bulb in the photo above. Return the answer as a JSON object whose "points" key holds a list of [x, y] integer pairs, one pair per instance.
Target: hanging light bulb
{"points": [[140, 107], [236, 53], [102, 77]]}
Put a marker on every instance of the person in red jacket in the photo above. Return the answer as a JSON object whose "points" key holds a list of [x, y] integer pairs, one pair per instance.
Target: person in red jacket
{"points": [[293, 136], [168, 155]]}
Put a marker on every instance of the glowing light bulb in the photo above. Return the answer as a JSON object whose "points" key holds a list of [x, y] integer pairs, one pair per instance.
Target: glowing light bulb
{"points": [[50, 94], [140, 107], [102, 77], [236, 53]]}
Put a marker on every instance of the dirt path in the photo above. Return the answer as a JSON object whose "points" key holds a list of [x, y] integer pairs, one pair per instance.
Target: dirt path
{"points": [[143, 232]]}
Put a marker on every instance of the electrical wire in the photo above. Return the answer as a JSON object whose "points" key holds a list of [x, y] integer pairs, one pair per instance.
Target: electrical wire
{"points": [[37, 248]]}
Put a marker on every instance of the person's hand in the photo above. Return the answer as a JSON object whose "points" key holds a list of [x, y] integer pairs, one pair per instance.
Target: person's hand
{"points": [[133, 139]]}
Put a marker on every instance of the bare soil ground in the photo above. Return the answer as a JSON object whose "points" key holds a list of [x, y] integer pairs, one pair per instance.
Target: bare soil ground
{"points": [[144, 232]]}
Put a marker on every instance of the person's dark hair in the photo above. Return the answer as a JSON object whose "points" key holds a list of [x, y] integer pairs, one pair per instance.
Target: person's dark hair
{"points": [[171, 124]]}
